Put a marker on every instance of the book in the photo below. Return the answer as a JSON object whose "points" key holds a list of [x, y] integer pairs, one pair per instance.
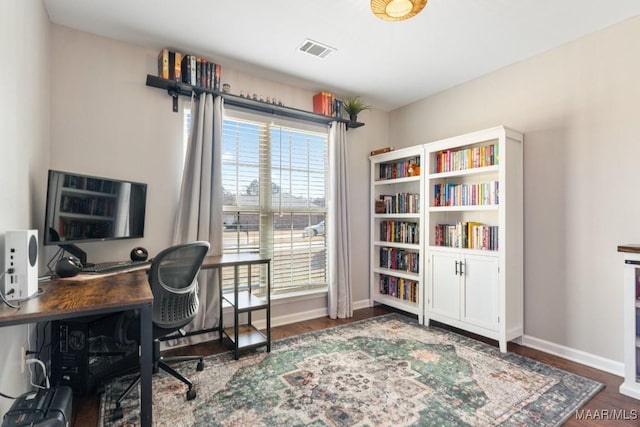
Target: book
{"points": [[189, 69], [217, 76], [172, 64], [208, 75], [198, 70], [203, 73], [338, 107], [193, 69], [186, 69], [163, 64], [381, 151], [323, 103], [177, 70]]}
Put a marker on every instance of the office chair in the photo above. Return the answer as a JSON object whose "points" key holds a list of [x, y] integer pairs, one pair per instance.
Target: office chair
{"points": [[173, 279]]}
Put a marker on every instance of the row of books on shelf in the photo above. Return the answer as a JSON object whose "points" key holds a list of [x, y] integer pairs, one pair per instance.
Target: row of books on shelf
{"points": [[398, 287], [327, 104], [399, 232], [399, 203], [401, 169], [399, 259], [467, 235], [71, 229], [77, 182], [87, 205], [449, 194], [468, 158], [190, 69]]}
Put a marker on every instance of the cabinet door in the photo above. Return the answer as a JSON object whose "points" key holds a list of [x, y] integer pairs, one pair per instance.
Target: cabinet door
{"points": [[480, 288], [445, 284]]}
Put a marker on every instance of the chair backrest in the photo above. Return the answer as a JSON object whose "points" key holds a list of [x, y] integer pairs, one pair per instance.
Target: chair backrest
{"points": [[173, 278]]}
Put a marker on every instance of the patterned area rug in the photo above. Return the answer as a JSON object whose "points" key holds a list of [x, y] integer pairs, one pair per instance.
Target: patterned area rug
{"points": [[385, 371]]}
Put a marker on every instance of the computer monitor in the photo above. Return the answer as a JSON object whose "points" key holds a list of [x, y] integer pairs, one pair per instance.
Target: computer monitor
{"points": [[84, 208]]}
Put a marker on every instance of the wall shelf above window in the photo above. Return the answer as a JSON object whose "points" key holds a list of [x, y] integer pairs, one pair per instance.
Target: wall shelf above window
{"points": [[176, 89]]}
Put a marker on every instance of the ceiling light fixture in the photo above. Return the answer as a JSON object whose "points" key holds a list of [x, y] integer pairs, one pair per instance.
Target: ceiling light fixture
{"points": [[397, 10]]}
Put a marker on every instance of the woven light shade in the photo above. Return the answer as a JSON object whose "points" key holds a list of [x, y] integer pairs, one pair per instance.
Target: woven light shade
{"points": [[397, 10]]}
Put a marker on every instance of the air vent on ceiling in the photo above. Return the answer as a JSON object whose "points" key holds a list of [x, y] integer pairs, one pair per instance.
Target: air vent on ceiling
{"points": [[316, 49]]}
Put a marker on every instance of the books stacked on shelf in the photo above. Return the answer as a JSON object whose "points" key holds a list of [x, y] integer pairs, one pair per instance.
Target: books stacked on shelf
{"points": [[399, 287], [468, 158], [449, 194], [98, 206], [399, 259], [190, 69], [401, 203], [170, 65], [72, 229], [399, 232], [327, 104], [401, 169], [89, 184], [467, 235]]}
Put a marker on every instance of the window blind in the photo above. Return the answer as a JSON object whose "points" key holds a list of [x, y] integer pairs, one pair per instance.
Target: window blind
{"points": [[274, 178]]}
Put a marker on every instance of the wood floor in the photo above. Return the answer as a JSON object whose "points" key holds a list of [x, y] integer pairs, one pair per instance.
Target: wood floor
{"points": [[85, 411]]}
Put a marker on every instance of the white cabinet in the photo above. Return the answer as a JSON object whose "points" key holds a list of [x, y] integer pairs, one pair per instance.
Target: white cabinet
{"points": [[631, 312], [396, 251], [474, 233], [465, 289]]}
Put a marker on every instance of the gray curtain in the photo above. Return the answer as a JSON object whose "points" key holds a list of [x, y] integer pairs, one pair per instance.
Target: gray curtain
{"points": [[340, 300], [199, 215]]}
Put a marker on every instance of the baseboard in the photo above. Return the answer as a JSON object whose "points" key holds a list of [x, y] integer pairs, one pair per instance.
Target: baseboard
{"points": [[578, 356], [287, 319]]}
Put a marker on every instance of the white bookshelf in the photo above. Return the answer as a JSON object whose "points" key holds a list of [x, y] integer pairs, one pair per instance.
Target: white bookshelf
{"points": [[475, 180], [399, 283], [631, 311]]}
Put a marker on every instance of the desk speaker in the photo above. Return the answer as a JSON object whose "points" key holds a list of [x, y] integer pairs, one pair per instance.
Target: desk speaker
{"points": [[139, 254], [21, 255]]}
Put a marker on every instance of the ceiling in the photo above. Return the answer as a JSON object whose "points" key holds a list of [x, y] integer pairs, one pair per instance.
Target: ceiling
{"points": [[390, 64]]}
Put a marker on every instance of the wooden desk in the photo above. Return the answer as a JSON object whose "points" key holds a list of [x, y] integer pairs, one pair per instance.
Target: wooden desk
{"points": [[96, 294]]}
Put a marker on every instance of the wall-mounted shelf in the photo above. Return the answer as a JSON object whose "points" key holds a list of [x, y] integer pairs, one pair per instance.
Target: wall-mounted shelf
{"points": [[176, 89]]}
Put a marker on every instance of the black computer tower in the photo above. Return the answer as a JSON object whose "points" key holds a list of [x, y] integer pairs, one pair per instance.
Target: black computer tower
{"points": [[85, 352]]}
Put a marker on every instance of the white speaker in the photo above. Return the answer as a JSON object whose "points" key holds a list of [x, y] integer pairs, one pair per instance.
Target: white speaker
{"points": [[21, 264]]}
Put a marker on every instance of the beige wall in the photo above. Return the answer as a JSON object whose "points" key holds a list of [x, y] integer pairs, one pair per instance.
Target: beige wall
{"points": [[24, 151], [107, 122], [578, 107]]}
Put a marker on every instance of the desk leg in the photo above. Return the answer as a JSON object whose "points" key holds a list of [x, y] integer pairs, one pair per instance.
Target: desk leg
{"points": [[146, 366]]}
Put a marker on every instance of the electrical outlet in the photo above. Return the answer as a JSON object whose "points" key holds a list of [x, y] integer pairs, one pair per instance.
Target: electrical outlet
{"points": [[23, 358]]}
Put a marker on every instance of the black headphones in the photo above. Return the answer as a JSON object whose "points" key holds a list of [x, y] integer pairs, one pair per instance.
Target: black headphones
{"points": [[68, 266], [139, 254]]}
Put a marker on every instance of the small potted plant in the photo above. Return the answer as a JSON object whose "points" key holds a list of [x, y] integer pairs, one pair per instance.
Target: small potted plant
{"points": [[354, 105]]}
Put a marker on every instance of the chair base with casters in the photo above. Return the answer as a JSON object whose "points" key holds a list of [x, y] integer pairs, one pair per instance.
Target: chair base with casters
{"points": [[173, 280], [160, 362]]}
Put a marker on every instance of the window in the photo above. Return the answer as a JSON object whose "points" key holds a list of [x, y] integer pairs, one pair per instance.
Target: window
{"points": [[274, 177], [274, 184]]}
